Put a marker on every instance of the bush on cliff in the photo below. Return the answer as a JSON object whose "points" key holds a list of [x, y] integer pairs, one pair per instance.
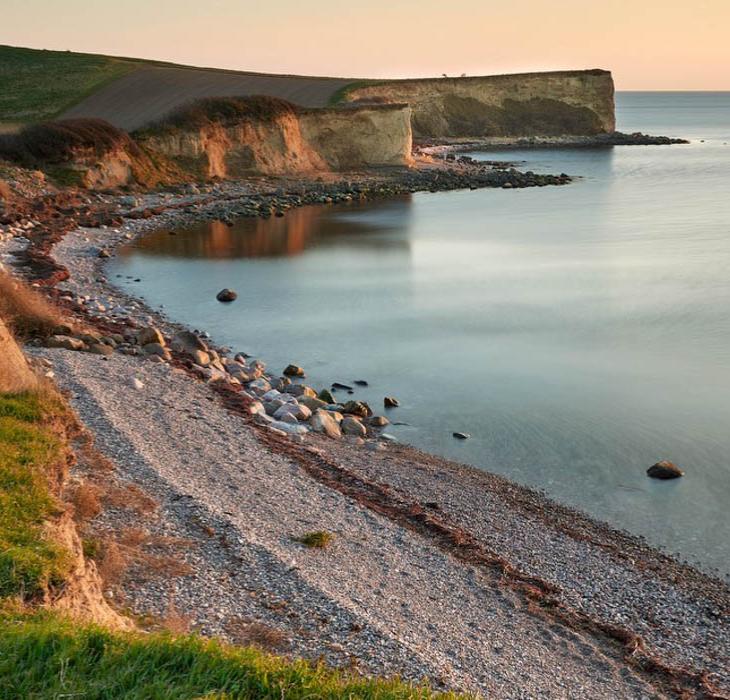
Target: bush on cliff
{"points": [[60, 141], [222, 110]]}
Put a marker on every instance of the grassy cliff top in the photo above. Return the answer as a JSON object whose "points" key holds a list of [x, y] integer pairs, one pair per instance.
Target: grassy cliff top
{"points": [[39, 84]]}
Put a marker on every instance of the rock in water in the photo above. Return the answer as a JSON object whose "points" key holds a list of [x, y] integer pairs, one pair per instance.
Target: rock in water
{"points": [[391, 402], [461, 436], [226, 295], [357, 408], [664, 470], [293, 371], [326, 396]]}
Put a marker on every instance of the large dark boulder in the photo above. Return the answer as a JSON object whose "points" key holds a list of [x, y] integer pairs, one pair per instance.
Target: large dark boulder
{"points": [[664, 470]]}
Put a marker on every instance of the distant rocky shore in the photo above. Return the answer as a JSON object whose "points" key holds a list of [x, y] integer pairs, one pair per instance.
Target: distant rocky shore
{"points": [[443, 146]]}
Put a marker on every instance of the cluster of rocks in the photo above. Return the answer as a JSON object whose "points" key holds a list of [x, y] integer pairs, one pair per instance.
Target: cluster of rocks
{"points": [[285, 407], [276, 202]]}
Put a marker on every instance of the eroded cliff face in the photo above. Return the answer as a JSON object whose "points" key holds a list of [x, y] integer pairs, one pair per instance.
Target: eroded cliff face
{"points": [[562, 103], [298, 143]]}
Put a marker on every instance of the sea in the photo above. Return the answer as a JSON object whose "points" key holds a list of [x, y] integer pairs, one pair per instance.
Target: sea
{"points": [[578, 334]]}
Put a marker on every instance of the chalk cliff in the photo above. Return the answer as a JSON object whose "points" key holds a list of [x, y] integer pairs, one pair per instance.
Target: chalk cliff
{"points": [[576, 103], [293, 141]]}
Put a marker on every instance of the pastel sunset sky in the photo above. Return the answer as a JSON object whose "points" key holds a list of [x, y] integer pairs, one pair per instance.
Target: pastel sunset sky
{"points": [[648, 44]]}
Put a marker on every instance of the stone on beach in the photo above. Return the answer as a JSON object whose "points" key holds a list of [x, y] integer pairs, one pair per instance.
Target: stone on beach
{"points": [[379, 421], [66, 342], [101, 349], [226, 295], [300, 390], [187, 342], [148, 335], [289, 428], [352, 426], [664, 469], [323, 422]]}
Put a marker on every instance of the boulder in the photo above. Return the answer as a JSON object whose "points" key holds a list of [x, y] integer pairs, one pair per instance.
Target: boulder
{"points": [[323, 422], [352, 426], [300, 390], [148, 335], [312, 403], [256, 407], [289, 428], [187, 342], [378, 421], [357, 408], [326, 396], [391, 402], [200, 357], [461, 436], [259, 386], [101, 349], [226, 295], [156, 349], [293, 371], [66, 342], [664, 470]]}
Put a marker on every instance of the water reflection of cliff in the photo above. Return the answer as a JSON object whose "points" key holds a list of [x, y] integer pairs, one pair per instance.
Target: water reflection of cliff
{"points": [[299, 229]]}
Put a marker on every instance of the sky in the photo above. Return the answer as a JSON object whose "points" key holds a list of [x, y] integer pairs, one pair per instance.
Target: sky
{"points": [[647, 44]]}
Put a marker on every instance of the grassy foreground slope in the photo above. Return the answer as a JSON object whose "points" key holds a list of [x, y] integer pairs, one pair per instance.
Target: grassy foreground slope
{"points": [[37, 85], [42, 656]]}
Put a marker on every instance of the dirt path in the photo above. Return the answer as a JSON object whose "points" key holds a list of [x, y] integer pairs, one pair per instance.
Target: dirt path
{"points": [[148, 94]]}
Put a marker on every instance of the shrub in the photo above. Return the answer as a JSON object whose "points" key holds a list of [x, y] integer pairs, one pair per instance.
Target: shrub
{"points": [[24, 310], [316, 540], [58, 142], [222, 110]]}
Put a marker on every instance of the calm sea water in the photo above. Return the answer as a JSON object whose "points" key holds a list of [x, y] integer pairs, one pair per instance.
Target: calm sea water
{"points": [[579, 333]]}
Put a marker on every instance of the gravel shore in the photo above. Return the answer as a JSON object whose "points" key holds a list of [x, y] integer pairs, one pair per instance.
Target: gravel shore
{"points": [[436, 571]]}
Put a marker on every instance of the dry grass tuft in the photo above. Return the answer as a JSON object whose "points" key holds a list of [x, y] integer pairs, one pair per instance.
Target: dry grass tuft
{"points": [[112, 564], [85, 499], [26, 312], [256, 634], [130, 497], [174, 621]]}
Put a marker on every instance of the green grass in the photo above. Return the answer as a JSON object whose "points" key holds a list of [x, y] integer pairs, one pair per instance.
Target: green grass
{"points": [[29, 562], [37, 85], [320, 539], [340, 95], [43, 656]]}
